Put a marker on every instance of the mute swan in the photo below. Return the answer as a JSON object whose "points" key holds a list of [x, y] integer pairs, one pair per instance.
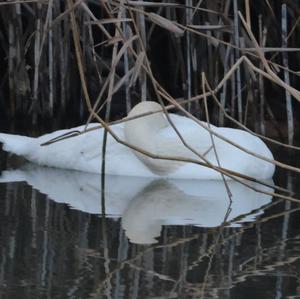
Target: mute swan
{"points": [[172, 201], [154, 134]]}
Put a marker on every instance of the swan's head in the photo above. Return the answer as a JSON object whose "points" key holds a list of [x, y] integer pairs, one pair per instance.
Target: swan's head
{"points": [[156, 121], [145, 127], [146, 134]]}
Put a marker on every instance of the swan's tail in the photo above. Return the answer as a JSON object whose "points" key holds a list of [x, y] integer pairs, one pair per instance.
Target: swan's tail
{"points": [[15, 144]]}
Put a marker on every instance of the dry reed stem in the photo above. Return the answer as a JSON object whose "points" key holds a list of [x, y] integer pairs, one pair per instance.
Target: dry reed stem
{"points": [[110, 78], [208, 252], [294, 92], [102, 28], [110, 21], [23, 2], [212, 248], [143, 4], [293, 28], [248, 17], [236, 55], [239, 124], [78, 50], [65, 14], [204, 82], [162, 4], [98, 290], [194, 263], [116, 56], [217, 41], [289, 108]]}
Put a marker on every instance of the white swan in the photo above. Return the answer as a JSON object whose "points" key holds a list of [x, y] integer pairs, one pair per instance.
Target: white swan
{"points": [[170, 202], [154, 134]]}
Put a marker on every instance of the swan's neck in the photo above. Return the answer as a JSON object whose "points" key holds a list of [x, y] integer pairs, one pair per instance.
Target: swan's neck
{"points": [[145, 133], [142, 132]]}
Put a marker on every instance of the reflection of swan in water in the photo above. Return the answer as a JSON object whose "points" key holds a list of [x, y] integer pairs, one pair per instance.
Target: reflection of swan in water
{"points": [[144, 204], [201, 203], [80, 190]]}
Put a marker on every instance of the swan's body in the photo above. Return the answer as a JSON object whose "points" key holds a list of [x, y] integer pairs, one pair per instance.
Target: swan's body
{"points": [[153, 134]]}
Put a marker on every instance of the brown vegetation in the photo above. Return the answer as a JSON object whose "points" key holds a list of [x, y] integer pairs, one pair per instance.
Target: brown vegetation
{"points": [[127, 51]]}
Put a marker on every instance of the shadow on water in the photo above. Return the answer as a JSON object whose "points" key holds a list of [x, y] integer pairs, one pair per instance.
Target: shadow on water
{"points": [[163, 238]]}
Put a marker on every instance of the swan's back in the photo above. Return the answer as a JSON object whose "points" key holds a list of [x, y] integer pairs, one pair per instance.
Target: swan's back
{"points": [[156, 135]]}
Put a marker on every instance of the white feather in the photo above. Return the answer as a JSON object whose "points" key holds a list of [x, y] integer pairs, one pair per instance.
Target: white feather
{"points": [[154, 134]]}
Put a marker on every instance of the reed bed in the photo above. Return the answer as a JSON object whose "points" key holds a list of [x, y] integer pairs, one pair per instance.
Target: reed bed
{"points": [[125, 51]]}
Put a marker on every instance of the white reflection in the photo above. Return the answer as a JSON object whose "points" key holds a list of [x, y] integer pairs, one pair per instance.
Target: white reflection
{"points": [[145, 204]]}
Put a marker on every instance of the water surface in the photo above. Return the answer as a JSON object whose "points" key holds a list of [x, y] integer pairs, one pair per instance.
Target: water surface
{"points": [[60, 238]]}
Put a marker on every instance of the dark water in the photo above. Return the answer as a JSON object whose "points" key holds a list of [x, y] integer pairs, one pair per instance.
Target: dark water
{"points": [[157, 239]]}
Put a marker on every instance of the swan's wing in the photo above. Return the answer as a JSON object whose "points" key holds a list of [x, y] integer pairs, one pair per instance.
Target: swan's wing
{"points": [[167, 143], [195, 136], [236, 159], [81, 152]]}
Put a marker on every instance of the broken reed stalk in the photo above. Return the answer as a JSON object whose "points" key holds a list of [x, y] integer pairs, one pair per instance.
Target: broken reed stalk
{"points": [[289, 108], [224, 89], [293, 91], [236, 56], [188, 20], [141, 22], [204, 82], [110, 92], [126, 64], [262, 40], [51, 62]]}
